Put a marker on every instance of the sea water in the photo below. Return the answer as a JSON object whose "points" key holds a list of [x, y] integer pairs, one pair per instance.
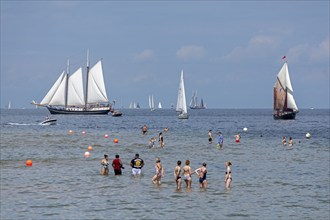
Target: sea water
{"points": [[270, 181]]}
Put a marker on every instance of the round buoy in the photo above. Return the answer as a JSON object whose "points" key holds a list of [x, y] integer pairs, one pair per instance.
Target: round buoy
{"points": [[245, 129], [308, 135], [90, 148], [28, 163], [87, 154], [83, 132], [106, 135], [115, 141], [70, 132]]}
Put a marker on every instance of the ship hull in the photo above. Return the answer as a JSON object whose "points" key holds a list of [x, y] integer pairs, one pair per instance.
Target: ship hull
{"points": [[101, 111], [285, 116]]}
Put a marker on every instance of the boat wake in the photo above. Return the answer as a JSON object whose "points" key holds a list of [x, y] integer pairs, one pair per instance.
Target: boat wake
{"points": [[24, 124], [19, 124]]}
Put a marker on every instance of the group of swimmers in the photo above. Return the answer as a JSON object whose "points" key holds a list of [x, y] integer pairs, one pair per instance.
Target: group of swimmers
{"points": [[290, 141], [137, 164]]}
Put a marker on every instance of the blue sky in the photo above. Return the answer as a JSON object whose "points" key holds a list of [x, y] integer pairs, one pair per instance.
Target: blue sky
{"points": [[230, 51]]}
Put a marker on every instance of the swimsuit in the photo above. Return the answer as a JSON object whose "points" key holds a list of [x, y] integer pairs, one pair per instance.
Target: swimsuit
{"points": [[201, 179]]}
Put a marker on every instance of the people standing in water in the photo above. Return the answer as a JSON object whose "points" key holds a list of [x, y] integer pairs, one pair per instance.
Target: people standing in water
{"points": [[161, 139], [105, 165], [201, 172], [177, 175], [152, 142], [186, 172], [290, 142], [144, 129], [284, 140], [117, 165], [159, 172], [220, 140], [137, 164], [166, 129], [238, 138], [210, 136], [228, 177]]}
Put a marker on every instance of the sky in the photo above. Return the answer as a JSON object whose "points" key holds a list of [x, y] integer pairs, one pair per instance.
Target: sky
{"points": [[230, 51]]}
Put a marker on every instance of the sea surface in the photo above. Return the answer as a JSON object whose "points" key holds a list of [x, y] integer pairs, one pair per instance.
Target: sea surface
{"points": [[270, 181]]}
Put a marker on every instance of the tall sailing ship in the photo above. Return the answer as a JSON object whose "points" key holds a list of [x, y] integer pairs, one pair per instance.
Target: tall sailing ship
{"points": [[194, 102], [67, 96], [284, 104]]}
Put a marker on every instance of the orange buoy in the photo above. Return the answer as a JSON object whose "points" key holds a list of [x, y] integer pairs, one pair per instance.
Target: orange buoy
{"points": [[106, 135], [115, 141], [70, 132], [28, 163], [83, 132], [90, 148], [87, 154]]}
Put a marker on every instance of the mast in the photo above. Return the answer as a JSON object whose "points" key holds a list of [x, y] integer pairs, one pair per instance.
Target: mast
{"points": [[87, 69], [67, 84]]}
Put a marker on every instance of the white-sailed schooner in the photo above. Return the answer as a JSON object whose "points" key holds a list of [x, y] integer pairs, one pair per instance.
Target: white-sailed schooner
{"points": [[284, 104], [66, 96], [151, 103], [181, 105]]}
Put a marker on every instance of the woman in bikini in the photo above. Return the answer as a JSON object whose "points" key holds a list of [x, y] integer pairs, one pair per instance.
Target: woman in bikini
{"points": [[238, 138], [159, 172], [228, 178], [186, 171], [177, 174], [201, 172], [105, 165]]}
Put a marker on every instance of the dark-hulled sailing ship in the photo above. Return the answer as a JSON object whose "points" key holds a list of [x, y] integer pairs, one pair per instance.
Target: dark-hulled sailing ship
{"points": [[284, 104], [66, 96]]}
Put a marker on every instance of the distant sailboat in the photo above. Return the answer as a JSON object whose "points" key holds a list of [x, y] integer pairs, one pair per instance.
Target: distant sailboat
{"points": [[160, 105], [181, 105], [9, 105], [151, 103], [67, 96], [194, 102], [284, 104]]}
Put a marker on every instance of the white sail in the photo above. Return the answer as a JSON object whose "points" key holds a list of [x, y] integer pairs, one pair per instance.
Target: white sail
{"points": [[285, 81], [46, 100], [160, 105], [183, 94], [291, 104], [75, 89], [60, 94], [181, 102], [151, 103], [9, 105], [96, 87], [284, 78]]}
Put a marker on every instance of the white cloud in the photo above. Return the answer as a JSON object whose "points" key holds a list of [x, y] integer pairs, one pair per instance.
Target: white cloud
{"points": [[259, 45], [146, 55], [190, 52], [312, 52]]}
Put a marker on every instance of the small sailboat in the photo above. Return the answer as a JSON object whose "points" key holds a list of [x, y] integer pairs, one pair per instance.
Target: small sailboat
{"points": [[151, 103], [67, 96], [115, 113], [9, 105], [284, 104], [181, 105], [49, 121], [160, 105]]}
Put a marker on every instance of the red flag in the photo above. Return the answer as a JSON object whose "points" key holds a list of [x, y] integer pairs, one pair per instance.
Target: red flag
{"points": [[283, 57]]}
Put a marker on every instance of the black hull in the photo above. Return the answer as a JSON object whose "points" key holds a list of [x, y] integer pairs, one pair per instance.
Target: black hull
{"points": [[197, 107], [55, 111], [285, 116]]}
